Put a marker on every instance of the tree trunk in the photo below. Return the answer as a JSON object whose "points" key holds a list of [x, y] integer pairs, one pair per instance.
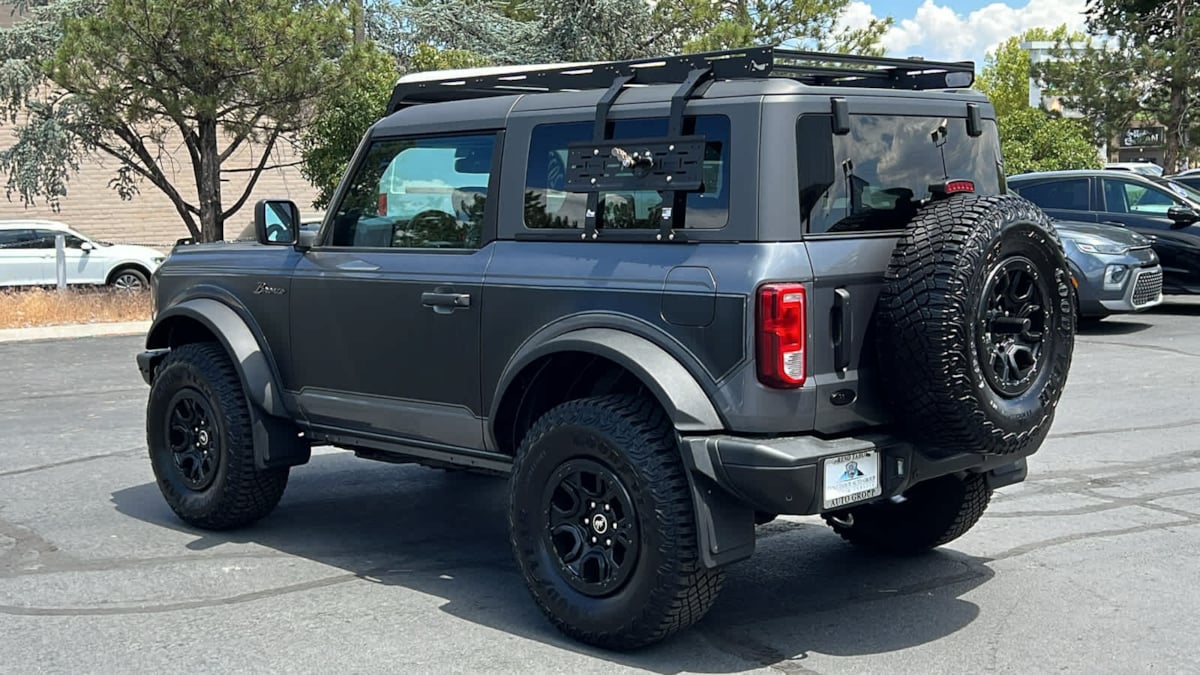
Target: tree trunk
{"points": [[358, 19], [1177, 105], [208, 184]]}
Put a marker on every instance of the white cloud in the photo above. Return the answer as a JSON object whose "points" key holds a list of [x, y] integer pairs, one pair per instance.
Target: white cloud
{"points": [[857, 14], [940, 32]]}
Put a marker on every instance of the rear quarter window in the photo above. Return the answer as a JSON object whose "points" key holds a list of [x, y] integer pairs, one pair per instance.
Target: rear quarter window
{"points": [[549, 206]]}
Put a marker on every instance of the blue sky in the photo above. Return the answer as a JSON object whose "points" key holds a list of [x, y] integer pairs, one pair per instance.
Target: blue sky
{"points": [[961, 29]]}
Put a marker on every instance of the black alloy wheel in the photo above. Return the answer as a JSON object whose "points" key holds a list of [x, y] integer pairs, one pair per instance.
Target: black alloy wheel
{"points": [[194, 438], [591, 526], [1012, 326]]}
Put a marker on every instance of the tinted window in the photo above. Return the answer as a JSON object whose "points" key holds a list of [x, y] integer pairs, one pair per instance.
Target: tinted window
{"points": [[15, 238], [45, 239], [549, 205], [417, 193], [886, 164], [1130, 197], [1070, 194]]}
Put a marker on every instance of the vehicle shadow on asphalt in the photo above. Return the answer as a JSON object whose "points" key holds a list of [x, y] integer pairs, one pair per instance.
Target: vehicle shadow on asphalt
{"points": [[1176, 308], [445, 535], [1111, 327]]}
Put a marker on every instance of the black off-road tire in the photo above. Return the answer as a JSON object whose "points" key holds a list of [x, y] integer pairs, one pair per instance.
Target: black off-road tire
{"points": [[933, 513], [937, 290], [667, 589], [235, 492]]}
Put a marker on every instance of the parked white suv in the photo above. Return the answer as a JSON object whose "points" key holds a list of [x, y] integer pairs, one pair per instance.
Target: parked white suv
{"points": [[27, 257]]}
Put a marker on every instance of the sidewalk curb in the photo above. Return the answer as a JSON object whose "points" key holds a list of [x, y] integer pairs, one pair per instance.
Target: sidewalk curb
{"points": [[70, 331]]}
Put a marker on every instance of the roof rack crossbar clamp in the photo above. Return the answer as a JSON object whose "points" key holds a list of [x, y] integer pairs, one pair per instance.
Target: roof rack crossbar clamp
{"points": [[675, 201], [593, 219]]}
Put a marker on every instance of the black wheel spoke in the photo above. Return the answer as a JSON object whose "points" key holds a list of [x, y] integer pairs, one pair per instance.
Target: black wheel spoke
{"points": [[591, 527], [193, 438], [1013, 318]]}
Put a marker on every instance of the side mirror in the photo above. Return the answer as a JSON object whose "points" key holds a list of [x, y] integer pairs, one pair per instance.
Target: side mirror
{"points": [[1182, 216], [87, 246], [276, 222]]}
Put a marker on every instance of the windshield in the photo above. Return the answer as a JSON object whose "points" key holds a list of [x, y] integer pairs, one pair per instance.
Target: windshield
{"points": [[1186, 191]]}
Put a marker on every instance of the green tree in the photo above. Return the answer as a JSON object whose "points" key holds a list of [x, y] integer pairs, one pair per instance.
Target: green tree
{"points": [[1149, 70], [701, 25], [538, 31], [135, 79], [1032, 139], [345, 113]]}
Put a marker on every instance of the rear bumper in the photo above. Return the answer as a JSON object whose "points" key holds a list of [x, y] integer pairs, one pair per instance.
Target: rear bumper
{"points": [[786, 475]]}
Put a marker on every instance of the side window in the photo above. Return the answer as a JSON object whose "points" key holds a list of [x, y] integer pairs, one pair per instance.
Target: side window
{"points": [[45, 238], [549, 205], [1148, 200], [417, 193], [16, 238], [1071, 194]]}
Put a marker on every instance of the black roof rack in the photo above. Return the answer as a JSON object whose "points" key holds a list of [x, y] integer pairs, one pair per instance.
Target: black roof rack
{"points": [[812, 68]]}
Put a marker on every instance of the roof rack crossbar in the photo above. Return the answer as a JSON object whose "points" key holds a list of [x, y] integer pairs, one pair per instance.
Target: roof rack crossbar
{"points": [[735, 64]]}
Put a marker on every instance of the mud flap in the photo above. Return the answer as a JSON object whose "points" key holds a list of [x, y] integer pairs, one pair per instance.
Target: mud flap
{"points": [[277, 441], [724, 523]]}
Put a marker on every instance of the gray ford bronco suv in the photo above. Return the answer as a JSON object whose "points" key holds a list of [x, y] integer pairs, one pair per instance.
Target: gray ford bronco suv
{"points": [[670, 299]]}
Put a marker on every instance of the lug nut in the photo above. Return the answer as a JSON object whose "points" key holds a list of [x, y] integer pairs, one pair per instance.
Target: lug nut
{"points": [[608, 542]]}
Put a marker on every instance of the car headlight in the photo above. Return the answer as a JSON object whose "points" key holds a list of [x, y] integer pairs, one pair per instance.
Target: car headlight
{"points": [[1110, 248], [1115, 276]]}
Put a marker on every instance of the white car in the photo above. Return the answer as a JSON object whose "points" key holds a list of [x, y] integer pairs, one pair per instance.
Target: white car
{"points": [[27, 257]]}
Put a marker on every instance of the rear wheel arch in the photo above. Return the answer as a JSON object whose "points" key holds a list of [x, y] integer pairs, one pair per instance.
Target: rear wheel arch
{"points": [[595, 362]]}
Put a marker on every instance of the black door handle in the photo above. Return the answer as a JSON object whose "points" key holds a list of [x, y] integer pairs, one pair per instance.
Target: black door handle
{"points": [[843, 329], [434, 299]]}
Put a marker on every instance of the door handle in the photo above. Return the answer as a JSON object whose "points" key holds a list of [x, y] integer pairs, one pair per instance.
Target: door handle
{"points": [[843, 329], [358, 266], [435, 299], [1112, 222]]}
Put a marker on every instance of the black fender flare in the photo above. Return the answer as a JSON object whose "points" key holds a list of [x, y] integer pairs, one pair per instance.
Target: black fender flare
{"points": [[249, 357], [676, 389], [276, 437]]}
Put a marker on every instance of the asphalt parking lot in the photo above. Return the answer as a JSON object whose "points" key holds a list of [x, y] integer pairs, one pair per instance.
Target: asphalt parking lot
{"points": [[1090, 566]]}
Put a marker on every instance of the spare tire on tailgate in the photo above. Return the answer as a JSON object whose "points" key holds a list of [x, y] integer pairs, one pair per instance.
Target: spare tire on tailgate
{"points": [[976, 325]]}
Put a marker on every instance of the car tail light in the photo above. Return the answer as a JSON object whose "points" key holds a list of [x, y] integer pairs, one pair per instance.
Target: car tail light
{"points": [[781, 335], [382, 206], [950, 187]]}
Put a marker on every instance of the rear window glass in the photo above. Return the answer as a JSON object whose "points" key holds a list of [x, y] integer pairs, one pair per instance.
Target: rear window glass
{"points": [[886, 164], [549, 205]]}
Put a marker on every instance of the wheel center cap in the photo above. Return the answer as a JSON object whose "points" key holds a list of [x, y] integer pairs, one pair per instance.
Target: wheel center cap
{"points": [[599, 523], [202, 437]]}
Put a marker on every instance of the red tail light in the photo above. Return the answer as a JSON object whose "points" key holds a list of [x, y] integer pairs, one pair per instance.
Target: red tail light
{"points": [[382, 206], [959, 186], [781, 335]]}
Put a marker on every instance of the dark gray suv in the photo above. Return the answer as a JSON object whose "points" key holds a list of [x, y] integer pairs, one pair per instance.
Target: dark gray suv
{"points": [[670, 299]]}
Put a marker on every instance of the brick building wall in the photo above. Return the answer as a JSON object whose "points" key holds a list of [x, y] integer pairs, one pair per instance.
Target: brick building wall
{"points": [[94, 208]]}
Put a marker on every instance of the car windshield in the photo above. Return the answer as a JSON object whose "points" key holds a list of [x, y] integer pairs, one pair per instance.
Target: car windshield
{"points": [[1186, 191]]}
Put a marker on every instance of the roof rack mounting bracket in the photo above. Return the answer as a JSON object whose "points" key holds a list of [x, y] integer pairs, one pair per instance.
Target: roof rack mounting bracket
{"points": [[841, 115], [974, 120]]}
